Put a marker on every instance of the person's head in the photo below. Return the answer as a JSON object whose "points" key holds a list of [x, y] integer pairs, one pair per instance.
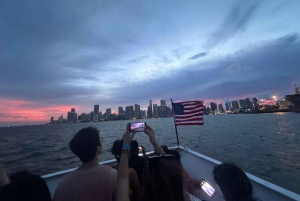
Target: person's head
{"points": [[25, 186], [233, 182], [163, 179], [116, 149], [86, 144], [134, 147]]}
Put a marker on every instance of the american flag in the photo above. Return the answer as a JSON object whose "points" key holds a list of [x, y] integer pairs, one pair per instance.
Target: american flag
{"points": [[188, 113]]}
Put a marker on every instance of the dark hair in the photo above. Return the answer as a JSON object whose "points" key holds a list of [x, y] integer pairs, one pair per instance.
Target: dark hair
{"points": [[134, 147], [116, 149], [163, 180], [84, 143], [171, 151], [25, 186], [233, 182]]}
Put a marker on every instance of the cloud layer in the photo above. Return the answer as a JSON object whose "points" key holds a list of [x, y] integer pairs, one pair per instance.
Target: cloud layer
{"points": [[63, 54]]}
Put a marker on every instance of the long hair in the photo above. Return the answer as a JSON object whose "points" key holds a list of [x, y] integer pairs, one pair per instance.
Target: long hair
{"points": [[233, 182], [163, 180]]}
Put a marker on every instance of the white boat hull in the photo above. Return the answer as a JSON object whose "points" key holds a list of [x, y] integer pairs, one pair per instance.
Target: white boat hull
{"points": [[200, 166]]}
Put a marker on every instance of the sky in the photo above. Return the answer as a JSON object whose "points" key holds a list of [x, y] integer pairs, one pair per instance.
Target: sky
{"points": [[57, 55]]}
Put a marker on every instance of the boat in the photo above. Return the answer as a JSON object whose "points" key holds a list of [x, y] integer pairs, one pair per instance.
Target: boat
{"points": [[295, 99], [200, 166]]}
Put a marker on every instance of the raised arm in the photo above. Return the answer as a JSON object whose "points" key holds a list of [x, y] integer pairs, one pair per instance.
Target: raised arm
{"points": [[151, 134], [123, 176]]}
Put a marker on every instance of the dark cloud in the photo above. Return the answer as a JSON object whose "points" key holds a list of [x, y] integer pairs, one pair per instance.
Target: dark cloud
{"points": [[234, 23], [269, 68], [20, 117], [197, 56]]}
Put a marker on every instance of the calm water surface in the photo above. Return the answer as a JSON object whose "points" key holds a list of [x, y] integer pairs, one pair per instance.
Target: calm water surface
{"points": [[265, 145]]}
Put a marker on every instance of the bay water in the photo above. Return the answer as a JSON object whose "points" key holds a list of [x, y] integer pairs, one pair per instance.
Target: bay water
{"points": [[265, 145]]}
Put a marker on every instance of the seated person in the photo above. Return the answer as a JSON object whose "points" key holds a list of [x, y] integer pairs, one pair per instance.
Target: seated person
{"points": [[163, 176], [134, 184], [91, 181], [233, 182], [25, 186], [136, 162]]}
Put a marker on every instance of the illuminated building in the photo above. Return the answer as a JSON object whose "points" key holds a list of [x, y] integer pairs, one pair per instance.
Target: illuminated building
{"points": [[227, 105], [256, 103]]}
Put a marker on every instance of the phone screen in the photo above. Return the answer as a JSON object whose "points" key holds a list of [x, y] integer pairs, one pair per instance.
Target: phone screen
{"points": [[209, 190], [137, 127]]}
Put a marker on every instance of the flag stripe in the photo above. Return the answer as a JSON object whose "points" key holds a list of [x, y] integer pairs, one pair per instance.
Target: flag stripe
{"points": [[187, 116], [190, 124], [190, 119], [188, 113]]}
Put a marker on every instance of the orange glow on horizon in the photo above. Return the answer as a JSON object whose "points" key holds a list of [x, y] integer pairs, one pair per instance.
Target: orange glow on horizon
{"points": [[27, 111]]}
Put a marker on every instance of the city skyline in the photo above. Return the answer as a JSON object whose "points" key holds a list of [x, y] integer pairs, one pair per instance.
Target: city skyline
{"points": [[60, 55]]}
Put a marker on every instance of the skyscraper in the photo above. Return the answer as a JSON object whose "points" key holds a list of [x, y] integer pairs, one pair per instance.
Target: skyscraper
{"points": [[162, 102], [256, 103], [243, 103], [155, 111], [220, 106], [249, 103], [96, 109], [108, 112], [137, 110], [72, 116], [149, 112], [72, 109], [128, 113], [227, 105], [120, 111], [235, 105], [213, 106]]}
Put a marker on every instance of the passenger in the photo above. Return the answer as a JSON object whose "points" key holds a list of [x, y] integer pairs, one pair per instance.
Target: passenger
{"points": [[163, 178], [134, 184], [91, 181], [136, 162], [189, 187], [233, 182], [25, 186]]}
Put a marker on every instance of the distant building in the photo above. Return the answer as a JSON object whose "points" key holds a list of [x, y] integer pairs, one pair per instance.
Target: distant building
{"points": [[220, 107], [120, 111], [72, 109], [51, 120], [169, 112], [85, 117], [155, 111], [164, 112], [108, 113], [72, 116], [96, 109], [92, 116], [128, 113], [162, 102], [227, 105], [256, 103], [150, 112], [137, 109], [142, 114], [208, 110], [249, 104], [213, 106], [235, 105], [243, 103]]}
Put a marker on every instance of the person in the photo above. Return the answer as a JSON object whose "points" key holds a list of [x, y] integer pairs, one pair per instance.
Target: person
{"points": [[134, 184], [136, 162], [163, 179], [233, 182], [24, 186], [91, 181]]}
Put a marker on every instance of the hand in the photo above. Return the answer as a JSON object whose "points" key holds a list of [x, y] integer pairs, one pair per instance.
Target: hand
{"points": [[143, 149], [127, 137], [150, 132]]}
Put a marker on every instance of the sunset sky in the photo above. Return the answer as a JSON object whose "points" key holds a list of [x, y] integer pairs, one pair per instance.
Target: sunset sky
{"points": [[56, 54]]}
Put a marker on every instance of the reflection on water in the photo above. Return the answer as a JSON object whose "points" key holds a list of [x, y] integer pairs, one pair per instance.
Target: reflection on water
{"points": [[266, 145]]}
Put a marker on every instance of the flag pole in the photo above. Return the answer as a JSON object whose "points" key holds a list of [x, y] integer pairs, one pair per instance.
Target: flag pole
{"points": [[175, 123]]}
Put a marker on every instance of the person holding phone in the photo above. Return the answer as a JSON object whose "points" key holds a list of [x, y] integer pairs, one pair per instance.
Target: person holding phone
{"points": [[162, 179]]}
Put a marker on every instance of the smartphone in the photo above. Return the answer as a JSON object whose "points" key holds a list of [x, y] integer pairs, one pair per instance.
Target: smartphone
{"points": [[137, 127], [209, 190]]}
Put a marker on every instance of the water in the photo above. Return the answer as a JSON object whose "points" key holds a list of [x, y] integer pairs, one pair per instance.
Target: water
{"points": [[265, 145]]}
